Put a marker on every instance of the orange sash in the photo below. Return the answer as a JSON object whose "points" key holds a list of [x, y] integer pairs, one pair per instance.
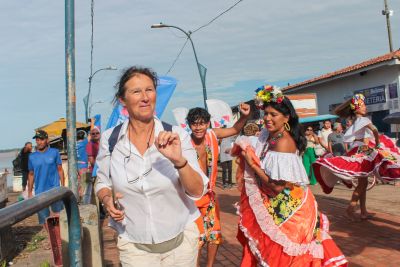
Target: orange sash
{"points": [[211, 143]]}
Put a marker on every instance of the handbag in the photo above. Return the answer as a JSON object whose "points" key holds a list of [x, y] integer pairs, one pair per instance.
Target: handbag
{"points": [[319, 150]]}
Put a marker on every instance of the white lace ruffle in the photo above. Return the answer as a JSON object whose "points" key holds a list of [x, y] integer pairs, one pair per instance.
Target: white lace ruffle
{"points": [[285, 166], [252, 242], [268, 226]]}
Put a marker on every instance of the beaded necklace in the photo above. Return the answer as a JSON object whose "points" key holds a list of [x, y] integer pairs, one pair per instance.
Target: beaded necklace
{"points": [[271, 142]]}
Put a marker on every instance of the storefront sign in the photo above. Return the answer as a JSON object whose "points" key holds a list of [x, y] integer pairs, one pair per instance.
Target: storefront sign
{"points": [[374, 95]]}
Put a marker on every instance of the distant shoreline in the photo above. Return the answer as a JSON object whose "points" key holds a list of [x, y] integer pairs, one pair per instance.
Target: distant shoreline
{"points": [[9, 150]]}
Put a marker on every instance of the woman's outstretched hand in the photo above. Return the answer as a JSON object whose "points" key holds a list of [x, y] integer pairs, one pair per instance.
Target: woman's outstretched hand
{"points": [[244, 109], [169, 145]]}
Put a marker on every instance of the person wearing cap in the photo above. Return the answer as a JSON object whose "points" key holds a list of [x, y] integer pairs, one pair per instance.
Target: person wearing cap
{"points": [[45, 173]]}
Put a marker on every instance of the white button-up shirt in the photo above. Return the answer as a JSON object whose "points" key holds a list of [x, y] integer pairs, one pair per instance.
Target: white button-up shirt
{"points": [[156, 206]]}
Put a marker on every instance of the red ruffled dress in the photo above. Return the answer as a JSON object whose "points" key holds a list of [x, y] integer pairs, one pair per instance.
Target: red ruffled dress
{"points": [[285, 229], [361, 160]]}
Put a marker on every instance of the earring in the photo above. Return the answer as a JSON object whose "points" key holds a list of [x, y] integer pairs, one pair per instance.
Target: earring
{"points": [[287, 126]]}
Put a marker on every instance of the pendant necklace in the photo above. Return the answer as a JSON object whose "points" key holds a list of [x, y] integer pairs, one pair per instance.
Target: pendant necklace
{"points": [[271, 142], [148, 141]]}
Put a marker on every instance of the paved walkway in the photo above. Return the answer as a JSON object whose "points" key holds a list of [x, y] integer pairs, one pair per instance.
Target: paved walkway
{"points": [[368, 243]]}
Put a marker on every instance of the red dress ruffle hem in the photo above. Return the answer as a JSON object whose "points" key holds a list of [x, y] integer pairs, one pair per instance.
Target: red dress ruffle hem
{"points": [[361, 161]]}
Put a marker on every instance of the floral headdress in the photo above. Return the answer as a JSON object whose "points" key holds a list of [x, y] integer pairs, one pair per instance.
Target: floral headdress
{"points": [[356, 101], [268, 93]]}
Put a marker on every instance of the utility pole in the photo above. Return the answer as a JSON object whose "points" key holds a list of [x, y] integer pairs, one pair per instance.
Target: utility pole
{"points": [[70, 94], [388, 13]]}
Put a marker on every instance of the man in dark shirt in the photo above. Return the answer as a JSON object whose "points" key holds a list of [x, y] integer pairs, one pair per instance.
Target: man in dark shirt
{"points": [[25, 151]]}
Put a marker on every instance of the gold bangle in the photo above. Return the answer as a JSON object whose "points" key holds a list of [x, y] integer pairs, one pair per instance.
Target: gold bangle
{"points": [[180, 167]]}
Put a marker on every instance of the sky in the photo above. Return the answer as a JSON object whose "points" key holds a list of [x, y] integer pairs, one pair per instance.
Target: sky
{"points": [[257, 42]]}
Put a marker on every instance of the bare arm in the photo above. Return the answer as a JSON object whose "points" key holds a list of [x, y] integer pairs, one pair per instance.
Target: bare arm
{"points": [[61, 174], [330, 146], [316, 139], [30, 183], [322, 143], [238, 126], [190, 179], [266, 180], [375, 132], [169, 145]]}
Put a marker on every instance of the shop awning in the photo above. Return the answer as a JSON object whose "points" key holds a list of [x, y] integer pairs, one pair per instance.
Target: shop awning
{"points": [[318, 118]]}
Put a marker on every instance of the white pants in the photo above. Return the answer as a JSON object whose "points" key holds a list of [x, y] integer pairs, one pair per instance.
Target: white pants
{"points": [[183, 256]]}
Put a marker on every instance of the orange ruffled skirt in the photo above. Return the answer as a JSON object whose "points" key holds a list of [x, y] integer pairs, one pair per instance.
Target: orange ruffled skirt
{"points": [[286, 230]]}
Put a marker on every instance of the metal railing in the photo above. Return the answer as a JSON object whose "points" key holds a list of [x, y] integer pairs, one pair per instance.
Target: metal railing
{"points": [[21, 210]]}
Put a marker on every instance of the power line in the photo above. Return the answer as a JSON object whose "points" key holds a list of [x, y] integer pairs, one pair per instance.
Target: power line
{"points": [[201, 27], [176, 35], [177, 57], [211, 21]]}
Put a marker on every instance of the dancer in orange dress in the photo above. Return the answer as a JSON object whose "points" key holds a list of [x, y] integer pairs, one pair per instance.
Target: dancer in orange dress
{"points": [[205, 141], [279, 221]]}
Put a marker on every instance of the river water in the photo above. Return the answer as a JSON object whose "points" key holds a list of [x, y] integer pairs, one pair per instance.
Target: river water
{"points": [[6, 159]]}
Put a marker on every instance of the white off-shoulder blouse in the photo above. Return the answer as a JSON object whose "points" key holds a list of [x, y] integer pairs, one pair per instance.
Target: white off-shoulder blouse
{"points": [[280, 165]]}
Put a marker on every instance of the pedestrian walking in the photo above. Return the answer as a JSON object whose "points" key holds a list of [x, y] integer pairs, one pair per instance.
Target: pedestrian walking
{"points": [[309, 156], [92, 147], [280, 224], [205, 141], [45, 173], [148, 178], [369, 154], [24, 155], [225, 159]]}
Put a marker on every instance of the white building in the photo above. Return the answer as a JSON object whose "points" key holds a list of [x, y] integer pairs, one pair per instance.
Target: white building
{"points": [[376, 78]]}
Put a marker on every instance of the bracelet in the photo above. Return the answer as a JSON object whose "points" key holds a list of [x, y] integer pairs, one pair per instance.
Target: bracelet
{"points": [[180, 167], [101, 200]]}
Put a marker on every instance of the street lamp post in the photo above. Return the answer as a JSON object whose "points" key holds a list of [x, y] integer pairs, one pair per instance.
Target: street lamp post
{"points": [[86, 100], [202, 79], [388, 13], [91, 106]]}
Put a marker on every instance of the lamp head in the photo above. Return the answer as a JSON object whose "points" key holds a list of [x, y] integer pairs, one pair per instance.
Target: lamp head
{"points": [[159, 25]]}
